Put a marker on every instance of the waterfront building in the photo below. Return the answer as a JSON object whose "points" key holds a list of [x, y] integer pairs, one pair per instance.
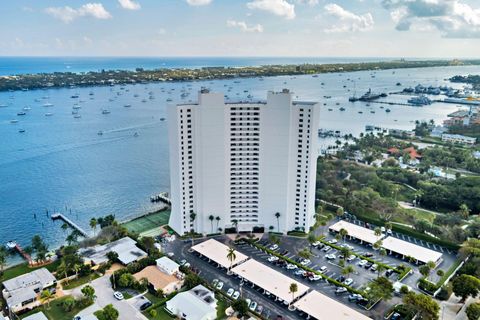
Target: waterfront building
{"points": [[126, 249], [198, 303], [22, 292], [246, 166], [458, 138]]}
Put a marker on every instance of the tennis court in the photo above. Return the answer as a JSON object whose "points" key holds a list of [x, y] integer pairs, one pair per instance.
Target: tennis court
{"points": [[148, 222]]}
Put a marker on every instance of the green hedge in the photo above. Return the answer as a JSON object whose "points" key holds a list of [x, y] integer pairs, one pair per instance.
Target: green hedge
{"points": [[411, 232], [430, 287]]}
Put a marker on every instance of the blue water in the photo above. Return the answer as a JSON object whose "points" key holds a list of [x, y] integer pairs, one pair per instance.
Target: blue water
{"points": [[61, 164], [22, 65]]}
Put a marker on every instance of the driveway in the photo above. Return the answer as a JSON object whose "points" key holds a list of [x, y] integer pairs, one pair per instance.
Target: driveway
{"points": [[104, 293]]}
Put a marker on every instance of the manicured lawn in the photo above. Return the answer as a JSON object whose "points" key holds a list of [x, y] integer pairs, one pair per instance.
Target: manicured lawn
{"points": [[152, 298], [79, 281], [420, 214], [222, 305], [55, 312], [23, 268], [161, 314]]}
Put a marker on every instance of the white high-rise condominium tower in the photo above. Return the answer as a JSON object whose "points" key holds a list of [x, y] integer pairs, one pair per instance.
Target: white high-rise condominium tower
{"points": [[243, 165]]}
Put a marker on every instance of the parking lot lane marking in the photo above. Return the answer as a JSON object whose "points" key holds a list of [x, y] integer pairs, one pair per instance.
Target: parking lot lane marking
{"points": [[434, 246], [428, 245], [415, 240], [441, 249], [449, 252]]}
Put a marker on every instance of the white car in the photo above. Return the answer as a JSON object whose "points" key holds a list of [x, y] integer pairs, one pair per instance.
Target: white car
{"points": [[315, 277], [351, 257], [248, 301], [333, 241], [389, 231], [274, 247], [182, 262], [230, 292], [305, 262], [214, 282], [272, 259], [330, 256], [118, 295], [374, 267], [348, 281], [316, 243], [291, 266], [253, 306], [323, 269], [235, 295], [219, 285], [362, 263]]}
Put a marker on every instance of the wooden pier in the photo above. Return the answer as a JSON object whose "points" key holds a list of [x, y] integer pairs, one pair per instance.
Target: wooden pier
{"points": [[161, 197], [25, 255], [72, 224]]}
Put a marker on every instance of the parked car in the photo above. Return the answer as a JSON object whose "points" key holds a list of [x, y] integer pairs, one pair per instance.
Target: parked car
{"points": [[341, 290], [291, 266], [305, 262], [330, 256], [259, 309], [354, 297], [333, 241], [299, 272], [145, 306], [315, 277], [214, 282], [389, 232], [340, 278], [253, 306], [374, 267], [219, 285], [235, 295], [182, 262], [351, 257], [362, 263], [388, 273], [272, 259], [368, 265], [327, 248], [118, 295], [274, 247], [367, 254], [323, 269], [348, 282], [316, 243], [230, 292]]}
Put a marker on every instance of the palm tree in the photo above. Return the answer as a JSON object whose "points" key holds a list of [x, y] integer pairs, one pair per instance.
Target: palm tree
{"points": [[388, 225], [218, 220], [348, 270], [292, 289], [235, 225], [380, 269], [343, 233], [345, 252], [76, 267], [211, 218], [46, 296], [231, 256], [93, 225], [464, 210], [340, 212], [277, 215], [377, 231], [193, 215], [377, 245]]}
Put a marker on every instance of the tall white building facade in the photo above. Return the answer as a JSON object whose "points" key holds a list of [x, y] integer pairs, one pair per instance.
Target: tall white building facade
{"points": [[243, 165]]}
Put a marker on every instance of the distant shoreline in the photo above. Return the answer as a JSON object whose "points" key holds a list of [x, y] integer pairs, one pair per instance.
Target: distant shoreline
{"points": [[26, 82]]}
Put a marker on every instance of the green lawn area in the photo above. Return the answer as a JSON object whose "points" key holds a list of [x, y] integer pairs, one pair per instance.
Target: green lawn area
{"points": [[152, 298], [148, 222], [23, 268], [161, 314], [79, 281], [55, 312], [222, 305], [421, 214]]}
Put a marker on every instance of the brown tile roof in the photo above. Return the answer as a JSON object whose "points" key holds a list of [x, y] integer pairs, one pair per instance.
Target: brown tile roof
{"points": [[156, 277]]}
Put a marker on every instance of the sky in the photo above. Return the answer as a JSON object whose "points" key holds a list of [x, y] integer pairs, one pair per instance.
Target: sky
{"points": [[287, 28]]}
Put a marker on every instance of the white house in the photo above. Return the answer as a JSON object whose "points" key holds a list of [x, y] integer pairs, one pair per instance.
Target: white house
{"points": [[198, 303], [458, 138]]}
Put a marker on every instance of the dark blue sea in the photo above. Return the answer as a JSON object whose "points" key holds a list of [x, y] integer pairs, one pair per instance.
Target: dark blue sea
{"points": [[61, 163]]}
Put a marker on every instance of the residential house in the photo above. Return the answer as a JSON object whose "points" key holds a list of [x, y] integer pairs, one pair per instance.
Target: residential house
{"points": [[458, 138], [23, 292], [126, 248], [198, 303]]}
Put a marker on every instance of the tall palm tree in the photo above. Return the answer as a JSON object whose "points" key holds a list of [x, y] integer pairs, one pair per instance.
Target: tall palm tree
{"points": [[46, 296], [231, 256], [277, 215], [218, 220], [348, 270], [235, 224], [211, 218], [292, 289], [93, 225], [343, 233]]}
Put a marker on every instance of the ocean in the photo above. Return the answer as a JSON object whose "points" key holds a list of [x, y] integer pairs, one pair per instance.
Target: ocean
{"points": [[61, 164]]}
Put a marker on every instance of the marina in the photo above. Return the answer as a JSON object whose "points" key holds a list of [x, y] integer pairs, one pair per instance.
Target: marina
{"points": [[60, 216]]}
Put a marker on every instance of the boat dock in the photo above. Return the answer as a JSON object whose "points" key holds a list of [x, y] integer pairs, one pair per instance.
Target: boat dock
{"points": [[72, 224], [25, 255], [161, 197]]}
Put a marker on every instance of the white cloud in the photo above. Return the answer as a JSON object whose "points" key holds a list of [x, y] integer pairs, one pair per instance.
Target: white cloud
{"points": [[453, 18], [129, 4], [198, 2], [278, 7], [162, 31], [244, 27], [311, 3], [68, 14], [348, 21]]}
